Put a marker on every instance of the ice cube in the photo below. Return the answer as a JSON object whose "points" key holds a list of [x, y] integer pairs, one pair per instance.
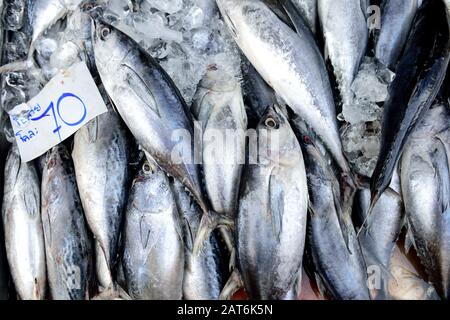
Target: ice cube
{"points": [[169, 6]]}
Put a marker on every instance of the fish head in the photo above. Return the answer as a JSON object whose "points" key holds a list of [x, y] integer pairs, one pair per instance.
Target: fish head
{"points": [[276, 140], [109, 48]]}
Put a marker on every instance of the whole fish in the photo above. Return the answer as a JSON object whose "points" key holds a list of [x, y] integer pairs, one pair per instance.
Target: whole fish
{"points": [[346, 35], [24, 238], [420, 73], [380, 233], [290, 63], [203, 274], [67, 242], [153, 257], [219, 108], [271, 221], [396, 20], [101, 159], [336, 253], [425, 178]]}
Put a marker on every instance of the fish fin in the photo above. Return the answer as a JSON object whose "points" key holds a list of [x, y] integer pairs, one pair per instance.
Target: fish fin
{"points": [[342, 221], [210, 220], [233, 284], [409, 240], [276, 196], [189, 242], [320, 285], [295, 17], [92, 129], [229, 242], [16, 66], [31, 201], [138, 86], [144, 232]]}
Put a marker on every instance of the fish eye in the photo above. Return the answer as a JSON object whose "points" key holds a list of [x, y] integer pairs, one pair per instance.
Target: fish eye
{"points": [[104, 33], [147, 168], [88, 6], [307, 139], [270, 122]]}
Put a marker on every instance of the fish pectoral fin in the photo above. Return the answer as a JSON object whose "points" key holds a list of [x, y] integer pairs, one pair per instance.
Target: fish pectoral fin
{"points": [[234, 283], [276, 205], [189, 237], [342, 221], [138, 86], [144, 232], [210, 220], [92, 129]]}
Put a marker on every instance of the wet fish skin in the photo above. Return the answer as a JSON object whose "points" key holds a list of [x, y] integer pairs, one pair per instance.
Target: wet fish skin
{"points": [[219, 108], [67, 241], [335, 249], [396, 20], [345, 33], [153, 257], [101, 158], [148, 102], [24, 238], [420, 74], [271, 221], [203, 274], [425, 177], [290, 63]]}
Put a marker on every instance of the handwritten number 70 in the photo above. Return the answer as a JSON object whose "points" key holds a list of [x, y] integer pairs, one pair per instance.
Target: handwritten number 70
{"points": [[57, 113]]}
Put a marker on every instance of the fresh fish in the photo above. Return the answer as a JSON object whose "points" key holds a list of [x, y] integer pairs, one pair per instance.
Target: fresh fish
{"points": [[406, 282], [425, 178], [13, 14], [346, 35], [101, 159], [335, 250], [203, 274], [219, 108], [150, 105], [271, 221], [22, 223], [290, 63], [153, 257], [420, 74], [396, 20], [380, 232], [67, 242]]}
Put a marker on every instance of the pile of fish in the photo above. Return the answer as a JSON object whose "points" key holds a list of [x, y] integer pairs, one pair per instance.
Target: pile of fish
{"points": [[260, 149]]}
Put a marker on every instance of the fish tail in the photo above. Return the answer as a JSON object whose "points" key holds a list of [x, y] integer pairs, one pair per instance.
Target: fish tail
{"points": [[210, 221], [233, 284]]}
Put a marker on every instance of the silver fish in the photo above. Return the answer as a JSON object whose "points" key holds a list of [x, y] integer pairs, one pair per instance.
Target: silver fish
{"points": [[67, 242], [101, 158], [396, 20], [271, 221], [335, 250], [219, 108], [153, 257], [290, 63], [346, 34], [425, 178], [24, 238], [203, 273]]}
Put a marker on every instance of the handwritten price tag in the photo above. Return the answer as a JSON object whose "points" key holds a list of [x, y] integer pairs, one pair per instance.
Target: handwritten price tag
{"points": [[65, 104]]}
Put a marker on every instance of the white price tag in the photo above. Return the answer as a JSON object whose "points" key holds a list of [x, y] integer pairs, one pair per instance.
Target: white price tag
{"points": [[65, 104]]}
